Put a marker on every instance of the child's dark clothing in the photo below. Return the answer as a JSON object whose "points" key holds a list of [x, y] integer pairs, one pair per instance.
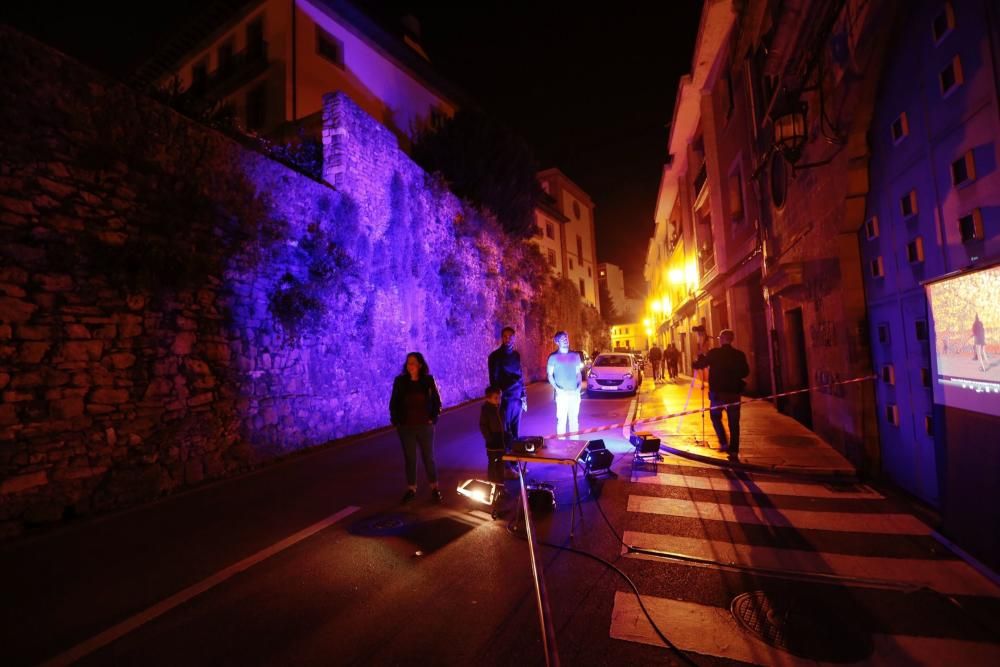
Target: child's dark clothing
{"points": [[491, 426]]}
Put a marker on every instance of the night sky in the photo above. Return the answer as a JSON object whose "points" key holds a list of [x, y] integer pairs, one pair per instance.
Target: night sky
{"points": [[591, 89]]}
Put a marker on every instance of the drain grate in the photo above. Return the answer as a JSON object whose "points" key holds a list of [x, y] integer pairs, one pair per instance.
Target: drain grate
{"points": [[800, 626]]}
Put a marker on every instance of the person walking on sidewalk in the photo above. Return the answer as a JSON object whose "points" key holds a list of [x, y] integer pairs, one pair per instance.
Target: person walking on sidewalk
{"points": [[414, 408], [655, 358], [672, 356], [564, 369], [505, 373], [727, 367]]}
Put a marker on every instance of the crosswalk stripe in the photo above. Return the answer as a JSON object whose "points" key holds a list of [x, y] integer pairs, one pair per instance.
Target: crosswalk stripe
{"points": [[727, 485], [952, 577], [898, 524], [713, 631]]}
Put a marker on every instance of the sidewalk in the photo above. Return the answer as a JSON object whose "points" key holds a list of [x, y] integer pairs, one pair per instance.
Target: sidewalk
{"points": [[769, 440]]}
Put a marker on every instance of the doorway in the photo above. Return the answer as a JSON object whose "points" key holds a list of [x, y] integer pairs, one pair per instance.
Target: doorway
{"points": [[797, 369]]}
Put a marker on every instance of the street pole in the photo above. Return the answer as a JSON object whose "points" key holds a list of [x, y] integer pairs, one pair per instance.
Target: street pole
{"points": [[541, 596]]}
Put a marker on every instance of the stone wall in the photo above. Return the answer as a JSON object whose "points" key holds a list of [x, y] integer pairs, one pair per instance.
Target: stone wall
{"points": [[175, 306]]}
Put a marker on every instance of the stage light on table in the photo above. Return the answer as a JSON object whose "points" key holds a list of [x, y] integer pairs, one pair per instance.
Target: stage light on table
{"points": [[597, 459]]}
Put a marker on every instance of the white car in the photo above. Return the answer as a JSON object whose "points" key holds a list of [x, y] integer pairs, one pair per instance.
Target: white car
{"points": [[613, 373]]}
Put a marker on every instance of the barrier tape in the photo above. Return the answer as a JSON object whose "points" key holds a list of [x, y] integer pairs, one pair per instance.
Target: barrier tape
{"points": [[694, 411]]}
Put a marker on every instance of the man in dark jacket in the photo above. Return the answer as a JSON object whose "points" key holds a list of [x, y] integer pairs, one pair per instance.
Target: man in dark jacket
{"points": [[655, 357], [505, 373], [727, 367]]}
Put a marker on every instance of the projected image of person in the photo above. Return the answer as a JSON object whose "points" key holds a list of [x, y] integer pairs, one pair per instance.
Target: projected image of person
{"points": [[979, 342]]}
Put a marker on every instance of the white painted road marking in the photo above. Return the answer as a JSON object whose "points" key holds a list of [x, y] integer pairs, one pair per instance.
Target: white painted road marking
{"points": [[713, 631], [899, 524], [952, 577], [727, 485], [128, 625]]}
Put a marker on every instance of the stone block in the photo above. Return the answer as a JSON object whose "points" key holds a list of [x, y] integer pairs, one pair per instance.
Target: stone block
{"points": [[197, 366], [121, 360], [80, 472], [29, 380], [89, 350], [17, 396], [201, 399], [21, 483], [22, 206], [8, 414], [14, 275], [67, 408], [96, 409], [129, 326], [113, 238], [32, 353], [34, 333], [194, 472], [183, 343], [12, 290], [109, 396], [106, 332], [6, 333], [159, 387], [54, 282], [15, 310], [77, 332], [136, 301], [45, 513]]}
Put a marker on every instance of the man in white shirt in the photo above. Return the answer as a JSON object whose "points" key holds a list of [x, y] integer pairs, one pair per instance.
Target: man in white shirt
{"points": [[564, 369]]}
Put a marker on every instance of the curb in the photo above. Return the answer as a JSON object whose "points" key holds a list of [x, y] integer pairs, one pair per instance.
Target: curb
{"points": [[813, 473]]}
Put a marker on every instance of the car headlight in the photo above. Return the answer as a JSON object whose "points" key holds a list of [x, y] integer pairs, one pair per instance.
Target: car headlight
{"points": [[592, 374], [628, 375]]}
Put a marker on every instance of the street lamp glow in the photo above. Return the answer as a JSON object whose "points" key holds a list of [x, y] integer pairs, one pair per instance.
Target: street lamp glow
{"points": [[646, 322], [656, 307], [676, 276], [691, 273]]}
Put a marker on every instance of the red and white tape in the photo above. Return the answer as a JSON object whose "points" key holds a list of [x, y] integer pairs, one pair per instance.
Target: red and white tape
{"points": [[684, 413]]}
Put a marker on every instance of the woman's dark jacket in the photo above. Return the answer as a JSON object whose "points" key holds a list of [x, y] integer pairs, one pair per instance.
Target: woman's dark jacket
{"points": [[397, 402]]}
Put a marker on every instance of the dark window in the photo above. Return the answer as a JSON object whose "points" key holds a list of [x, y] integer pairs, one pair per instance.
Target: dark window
{"points": [[915, 250], [550, 230], [329, 47], [943, 22], [225, 57], [257, 107], [951, 76], [891, 414], [570, 263], [583, 289], [590, 274], [736, 196], [888, 374], [883, 334], [971, 226], [963, 169], [871, 228], [255, 38], [730, 97], [929, 424], [552, 257], [876, 268], [579, 246], [925, 377], [921, 329], [908, 204], [199, 75], [779, 181], [900, 128]]}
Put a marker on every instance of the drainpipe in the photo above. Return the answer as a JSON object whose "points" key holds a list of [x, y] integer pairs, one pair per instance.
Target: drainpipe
{"points": [[295, 44]]}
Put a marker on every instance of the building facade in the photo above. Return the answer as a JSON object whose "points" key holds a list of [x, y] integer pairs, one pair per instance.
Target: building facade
{"points": [[578, 248], [273, 61], [629, 336], [611, 281], [761, 200], [934, 210]]}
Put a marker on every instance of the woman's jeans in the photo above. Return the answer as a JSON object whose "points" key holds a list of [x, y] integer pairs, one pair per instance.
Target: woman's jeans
{"points": [[412, 437]]}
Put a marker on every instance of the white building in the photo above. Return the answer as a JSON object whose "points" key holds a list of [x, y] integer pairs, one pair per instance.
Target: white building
{"points": [[578, 250]]}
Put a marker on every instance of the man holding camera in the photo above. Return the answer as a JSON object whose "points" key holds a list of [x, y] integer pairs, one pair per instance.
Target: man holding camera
{"points": [[727, 367]]}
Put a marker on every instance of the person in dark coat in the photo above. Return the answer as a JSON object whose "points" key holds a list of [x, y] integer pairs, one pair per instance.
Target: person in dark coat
{"points": [[672, 356], [491, 426], [414, 408], [505, 373], [727, 367], [655, 359]]}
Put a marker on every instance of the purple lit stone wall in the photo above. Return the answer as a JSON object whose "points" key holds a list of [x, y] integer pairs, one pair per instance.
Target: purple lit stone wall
{"points": [[176, 307]]}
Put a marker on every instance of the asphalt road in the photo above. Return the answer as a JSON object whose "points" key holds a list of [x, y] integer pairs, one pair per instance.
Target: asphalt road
{"points": [[358, 592]]}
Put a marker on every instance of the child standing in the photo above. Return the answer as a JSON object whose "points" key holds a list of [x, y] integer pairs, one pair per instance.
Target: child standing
{"points": [[491, 426]]}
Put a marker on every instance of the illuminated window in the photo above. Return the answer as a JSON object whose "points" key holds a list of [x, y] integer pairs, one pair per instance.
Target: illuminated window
{"points": [[329, 47], [892, 414], [900, 128], [550, 230], [871, 228], [920, 327], [915, 250], [971, 226], [908, 204], [883, 333], [943, 23], [950, 77], [888, 374], [963, 170], [876, 268]]}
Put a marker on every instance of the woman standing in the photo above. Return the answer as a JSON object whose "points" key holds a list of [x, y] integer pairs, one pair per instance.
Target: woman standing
{"points": [[414, 409]]}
